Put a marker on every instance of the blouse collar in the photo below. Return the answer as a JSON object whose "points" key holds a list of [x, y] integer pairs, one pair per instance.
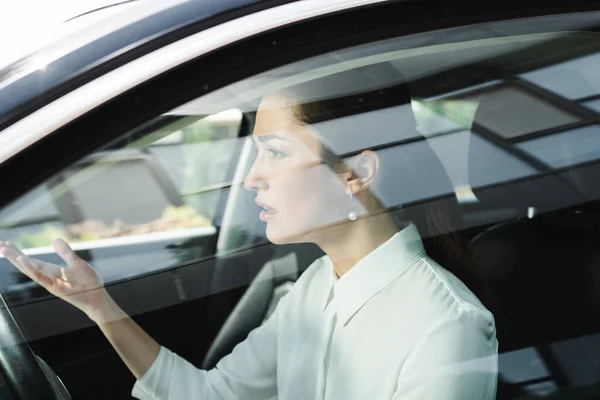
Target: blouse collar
{"points": [[374, 272]]}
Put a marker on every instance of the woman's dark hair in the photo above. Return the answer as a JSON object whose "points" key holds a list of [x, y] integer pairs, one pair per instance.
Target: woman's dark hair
{"points": [[438, 218]]}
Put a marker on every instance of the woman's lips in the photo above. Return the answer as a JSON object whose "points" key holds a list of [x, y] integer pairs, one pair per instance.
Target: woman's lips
{"points": [[266, 215], [267, 212]]}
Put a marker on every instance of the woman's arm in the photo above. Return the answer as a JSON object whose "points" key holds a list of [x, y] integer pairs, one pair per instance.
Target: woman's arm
{"points": [[249, 372], [454, 360], [80, 284], [135, 347]]}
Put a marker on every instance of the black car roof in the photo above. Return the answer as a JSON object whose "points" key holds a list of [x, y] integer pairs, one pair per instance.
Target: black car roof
{"points": [[32, 89]]}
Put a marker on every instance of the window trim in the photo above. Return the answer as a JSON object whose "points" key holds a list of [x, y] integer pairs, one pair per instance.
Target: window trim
{"points": [[81, 100]]}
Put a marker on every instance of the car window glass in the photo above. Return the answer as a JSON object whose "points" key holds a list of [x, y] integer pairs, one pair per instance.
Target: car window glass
{"points": [[490, 128], [572, 79], [148, 192]]}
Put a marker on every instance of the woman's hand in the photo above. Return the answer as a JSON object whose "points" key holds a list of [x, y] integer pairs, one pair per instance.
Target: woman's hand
{"points": [[78, 283]]}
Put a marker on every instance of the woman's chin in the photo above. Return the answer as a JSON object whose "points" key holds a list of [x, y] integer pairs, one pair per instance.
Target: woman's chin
{"points": [[276, 235], [281, 234]]}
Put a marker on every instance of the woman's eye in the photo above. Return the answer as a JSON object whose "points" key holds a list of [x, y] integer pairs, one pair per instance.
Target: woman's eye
{"points": [[275, 154]]}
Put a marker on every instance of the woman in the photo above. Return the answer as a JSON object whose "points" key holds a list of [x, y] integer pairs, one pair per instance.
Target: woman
{"points": [[374, 318]]}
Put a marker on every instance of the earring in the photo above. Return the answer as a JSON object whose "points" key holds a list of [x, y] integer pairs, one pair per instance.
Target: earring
{"points": [[352, 215]]}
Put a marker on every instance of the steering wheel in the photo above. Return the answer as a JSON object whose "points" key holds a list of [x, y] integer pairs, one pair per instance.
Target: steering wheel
{"points": [[26, 375]]}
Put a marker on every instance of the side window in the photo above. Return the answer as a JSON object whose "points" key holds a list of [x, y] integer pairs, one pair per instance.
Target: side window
{"points": [[480, 156], [129, 207]]}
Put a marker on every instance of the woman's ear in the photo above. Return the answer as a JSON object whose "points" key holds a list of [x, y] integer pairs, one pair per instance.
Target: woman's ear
{"points": [[365, 168]]}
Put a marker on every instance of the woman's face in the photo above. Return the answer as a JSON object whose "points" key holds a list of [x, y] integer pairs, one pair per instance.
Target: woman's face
{"points": [[298, 194]]}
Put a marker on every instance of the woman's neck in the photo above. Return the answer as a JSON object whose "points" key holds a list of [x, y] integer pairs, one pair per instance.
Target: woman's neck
{"points": [[347, 244]]}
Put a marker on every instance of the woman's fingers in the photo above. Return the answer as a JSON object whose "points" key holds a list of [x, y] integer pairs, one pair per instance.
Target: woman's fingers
{"points": [[39, 271], [12, 246], [66, 253], [48, 269], [54, 278], [22, 265], [11, 255], [9, 252]]}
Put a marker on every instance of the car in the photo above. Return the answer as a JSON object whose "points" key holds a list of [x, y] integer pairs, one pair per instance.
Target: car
{"points": [[130, 138]]}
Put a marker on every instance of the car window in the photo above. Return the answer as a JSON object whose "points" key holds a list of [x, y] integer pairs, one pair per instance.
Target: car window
{"points": [[486, 159], [130, 205]]}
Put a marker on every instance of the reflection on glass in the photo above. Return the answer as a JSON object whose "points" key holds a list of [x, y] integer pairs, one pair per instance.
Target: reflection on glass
{"points": [[516, 112], [523, 365], [573, 79], [594, 104], [141, 205], [169, 166], [565, 149], [352, 175]]}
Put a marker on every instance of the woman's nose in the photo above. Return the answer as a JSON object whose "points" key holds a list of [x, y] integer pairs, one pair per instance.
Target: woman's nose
{"points": [[255, 181]]}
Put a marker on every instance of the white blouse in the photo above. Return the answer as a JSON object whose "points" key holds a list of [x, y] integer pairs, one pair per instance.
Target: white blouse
{"points": [[396, 326]]}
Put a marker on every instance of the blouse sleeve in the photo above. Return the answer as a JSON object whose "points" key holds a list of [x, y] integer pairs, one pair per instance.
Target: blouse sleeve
{"points": [[455, 359], [249, 372]]}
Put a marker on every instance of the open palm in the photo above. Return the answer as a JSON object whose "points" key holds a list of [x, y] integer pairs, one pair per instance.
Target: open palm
{"points": [[77, 283]]}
